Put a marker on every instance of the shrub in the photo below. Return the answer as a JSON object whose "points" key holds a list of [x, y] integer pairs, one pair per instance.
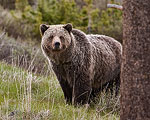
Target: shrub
{"points": [[110, 23], [53, 12], [20, 4], [14, 27]]}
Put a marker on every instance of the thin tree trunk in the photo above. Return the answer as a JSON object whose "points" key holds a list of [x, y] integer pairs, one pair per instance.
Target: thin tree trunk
{"points": [[135, 74], [9, 4]]}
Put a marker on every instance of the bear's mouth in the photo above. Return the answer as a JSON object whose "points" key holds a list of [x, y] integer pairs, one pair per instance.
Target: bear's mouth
{"points": [[55, 50]]}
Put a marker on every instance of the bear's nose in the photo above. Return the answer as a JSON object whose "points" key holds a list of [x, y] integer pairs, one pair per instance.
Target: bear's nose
{"points": [[57, 44]]}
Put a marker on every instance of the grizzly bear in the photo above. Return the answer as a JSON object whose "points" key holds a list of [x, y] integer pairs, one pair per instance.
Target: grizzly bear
{"points": [[83, 64]]}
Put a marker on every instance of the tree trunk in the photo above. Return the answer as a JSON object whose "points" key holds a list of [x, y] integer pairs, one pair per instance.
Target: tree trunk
{"points": [[9, 4], [135, 70]]}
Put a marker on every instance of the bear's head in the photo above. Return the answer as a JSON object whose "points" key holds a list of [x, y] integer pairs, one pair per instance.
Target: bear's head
{"points": [[55, 38]]}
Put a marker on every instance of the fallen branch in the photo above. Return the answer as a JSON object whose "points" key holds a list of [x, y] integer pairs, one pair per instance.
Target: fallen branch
{"points": [[119, 7]]}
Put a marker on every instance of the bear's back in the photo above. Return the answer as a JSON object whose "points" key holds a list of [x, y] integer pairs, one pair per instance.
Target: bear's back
{"points": [[102, 41], [105, 45], [108, 51]]}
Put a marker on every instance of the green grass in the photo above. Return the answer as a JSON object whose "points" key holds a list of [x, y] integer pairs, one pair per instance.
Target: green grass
{"points": [[24, 95]]}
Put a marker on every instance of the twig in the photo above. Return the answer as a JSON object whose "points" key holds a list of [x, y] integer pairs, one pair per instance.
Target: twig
{"points": [[1, 36], [119, 7]]}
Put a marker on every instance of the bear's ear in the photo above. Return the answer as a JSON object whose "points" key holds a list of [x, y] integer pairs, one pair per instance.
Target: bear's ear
{"points": [[68, 27], [43, 28]]}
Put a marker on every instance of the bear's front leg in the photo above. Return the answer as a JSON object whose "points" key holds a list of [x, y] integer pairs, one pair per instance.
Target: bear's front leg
{"points": [[67, 90], [81, 89]]}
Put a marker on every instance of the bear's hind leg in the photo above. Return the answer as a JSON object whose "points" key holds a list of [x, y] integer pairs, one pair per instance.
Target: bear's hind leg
{"points": [[117, 85]]}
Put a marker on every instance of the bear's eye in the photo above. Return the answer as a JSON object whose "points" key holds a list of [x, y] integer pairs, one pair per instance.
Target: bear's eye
{"points": [[62, 38], [51, 37]]}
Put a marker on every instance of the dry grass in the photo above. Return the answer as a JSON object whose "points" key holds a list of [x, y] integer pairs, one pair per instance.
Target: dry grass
{"points": [[22, 54]]}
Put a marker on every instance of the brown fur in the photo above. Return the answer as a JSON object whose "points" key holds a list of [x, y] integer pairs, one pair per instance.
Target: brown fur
{"points": [[83, 63]]}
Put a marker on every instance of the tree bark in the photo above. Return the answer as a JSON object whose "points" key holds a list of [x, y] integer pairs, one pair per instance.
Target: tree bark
{"points": [[135, 70]]}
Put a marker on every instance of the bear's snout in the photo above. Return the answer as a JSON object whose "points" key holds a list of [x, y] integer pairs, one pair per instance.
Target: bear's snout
{"points": [[56, 43]]}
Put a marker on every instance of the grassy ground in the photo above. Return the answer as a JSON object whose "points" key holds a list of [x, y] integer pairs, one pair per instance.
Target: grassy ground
{"points": [[24, 95]]}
